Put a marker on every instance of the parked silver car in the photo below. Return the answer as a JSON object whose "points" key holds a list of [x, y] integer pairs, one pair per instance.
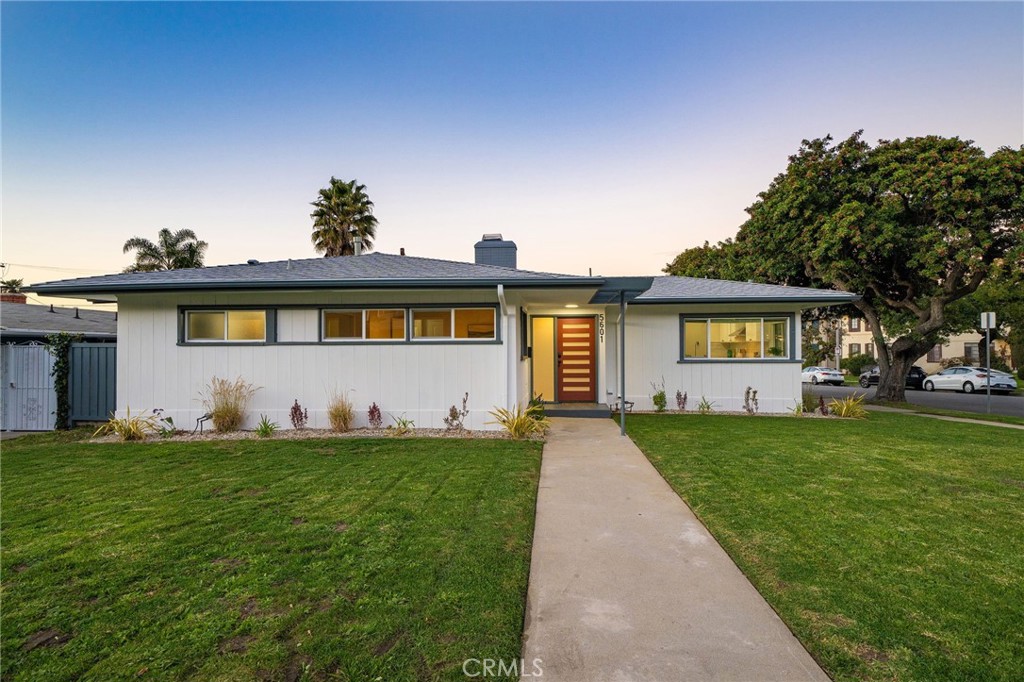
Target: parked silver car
{"points": [[969, 380]]}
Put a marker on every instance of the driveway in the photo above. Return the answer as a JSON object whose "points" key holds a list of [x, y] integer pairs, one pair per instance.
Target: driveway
{"points": [[1008, 405]]}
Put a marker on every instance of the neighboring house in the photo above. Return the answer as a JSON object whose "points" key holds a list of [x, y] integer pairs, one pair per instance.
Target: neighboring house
{"points": [[22, 322], [857, 338], [27, 398], [415, 334]]}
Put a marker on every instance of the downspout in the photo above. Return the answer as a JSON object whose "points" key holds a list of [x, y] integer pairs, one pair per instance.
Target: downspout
{"points": [[622, 363], [501, 299]]}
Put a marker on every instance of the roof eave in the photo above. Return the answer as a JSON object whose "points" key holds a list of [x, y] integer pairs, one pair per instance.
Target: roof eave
{"points": [[107, 290], [836, 300]]}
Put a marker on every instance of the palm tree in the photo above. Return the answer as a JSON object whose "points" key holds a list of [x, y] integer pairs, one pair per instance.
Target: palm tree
{"points": [[342, 211], [173, 251], [12, 286]]}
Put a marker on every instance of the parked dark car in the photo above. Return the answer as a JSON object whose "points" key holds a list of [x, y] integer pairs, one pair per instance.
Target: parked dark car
{"points": [[915, 377]]}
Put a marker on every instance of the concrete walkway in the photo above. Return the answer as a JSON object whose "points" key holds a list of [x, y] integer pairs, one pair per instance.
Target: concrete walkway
{"points": [[626, 584]]}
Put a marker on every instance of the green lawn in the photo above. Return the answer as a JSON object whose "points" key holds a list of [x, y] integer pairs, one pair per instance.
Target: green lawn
{"points": [[348, 559], [893, 547]]}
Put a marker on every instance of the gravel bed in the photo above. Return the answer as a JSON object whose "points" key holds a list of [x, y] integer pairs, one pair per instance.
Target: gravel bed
{"points": [[315, 434]]}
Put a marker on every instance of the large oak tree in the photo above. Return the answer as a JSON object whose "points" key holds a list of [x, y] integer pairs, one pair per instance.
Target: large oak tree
{"points": [[912, 225]]}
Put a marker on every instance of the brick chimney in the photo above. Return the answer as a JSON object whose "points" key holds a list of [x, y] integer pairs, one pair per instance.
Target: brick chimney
{"points": [[11, 297]]}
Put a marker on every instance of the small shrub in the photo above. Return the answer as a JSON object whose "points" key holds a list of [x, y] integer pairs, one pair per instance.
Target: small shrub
{"points": [[850, 408], [266, 428], [129, 427], [681, 401], [750, 405], [298, 416], [798, 408], [164, 425], [659, 399], [520, 423], [453, 422], [340, 412], [705, 406], [537, 403], [855, 364], [226, 402], [808, 401], [402, 425], [822, 407], [374, 416]]}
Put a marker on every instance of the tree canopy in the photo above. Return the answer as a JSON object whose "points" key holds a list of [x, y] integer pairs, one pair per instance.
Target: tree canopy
{"points": [[341, 211], [912, 225], [171, 251]]}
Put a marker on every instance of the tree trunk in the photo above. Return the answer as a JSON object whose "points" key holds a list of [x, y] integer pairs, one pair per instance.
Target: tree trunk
{"points": [[892, 385]]}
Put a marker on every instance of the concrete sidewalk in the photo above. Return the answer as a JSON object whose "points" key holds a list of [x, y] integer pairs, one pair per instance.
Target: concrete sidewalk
{"points": [[943, 417], [626, 584]]}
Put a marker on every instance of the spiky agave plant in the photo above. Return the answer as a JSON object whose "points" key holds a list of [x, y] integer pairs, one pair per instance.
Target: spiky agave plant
{"points": [[521, 422]]}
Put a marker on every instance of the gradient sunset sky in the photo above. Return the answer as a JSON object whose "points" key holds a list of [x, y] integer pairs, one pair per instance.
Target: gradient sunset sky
{"points": [[603, 136]]}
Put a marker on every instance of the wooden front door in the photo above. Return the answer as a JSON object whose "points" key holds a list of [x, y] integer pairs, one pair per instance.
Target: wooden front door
{"points": [[576, 360]]}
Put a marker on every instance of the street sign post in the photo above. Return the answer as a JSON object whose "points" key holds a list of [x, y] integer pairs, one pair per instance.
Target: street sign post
{"points": [[988, 322]]}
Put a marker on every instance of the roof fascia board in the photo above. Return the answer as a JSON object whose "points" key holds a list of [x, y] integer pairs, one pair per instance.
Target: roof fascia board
{"points": [[848, 298], [95, 290]]}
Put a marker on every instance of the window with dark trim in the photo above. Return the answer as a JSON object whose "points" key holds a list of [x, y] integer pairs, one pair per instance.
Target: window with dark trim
{"points": [[854, 349], [415, 324], [466, 324], [854, 324], [735, 338], [935, 354], [234, 326]]}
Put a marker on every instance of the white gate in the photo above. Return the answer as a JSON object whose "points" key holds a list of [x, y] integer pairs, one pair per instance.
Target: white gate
{"points": [[29, 402]]}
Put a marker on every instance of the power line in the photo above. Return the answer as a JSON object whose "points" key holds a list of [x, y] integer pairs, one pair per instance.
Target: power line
{"points": [[58, 269]]}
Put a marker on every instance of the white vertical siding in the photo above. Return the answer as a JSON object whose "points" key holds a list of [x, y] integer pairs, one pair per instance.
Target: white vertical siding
{"points": [[652, 353], [420, 381]]}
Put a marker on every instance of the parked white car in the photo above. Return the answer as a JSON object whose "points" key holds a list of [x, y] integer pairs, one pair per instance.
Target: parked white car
{"points": [[969, 380], [821, 375]]}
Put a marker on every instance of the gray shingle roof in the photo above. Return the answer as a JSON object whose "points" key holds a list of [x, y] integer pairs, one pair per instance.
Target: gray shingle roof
{"points": [[373, 270], [27, 320], [380, 270], [670, 289]]}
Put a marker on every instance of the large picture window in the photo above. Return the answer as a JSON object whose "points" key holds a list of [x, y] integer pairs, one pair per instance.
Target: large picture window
{"points": [[735, 338], [226, 325]]}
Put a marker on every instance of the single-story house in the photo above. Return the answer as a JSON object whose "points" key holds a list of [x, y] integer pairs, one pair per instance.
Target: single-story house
{"points": [[27, 397], [413, 335]]}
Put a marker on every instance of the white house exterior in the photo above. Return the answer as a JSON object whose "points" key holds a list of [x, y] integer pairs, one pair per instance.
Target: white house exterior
{"points": [[413, 335]]}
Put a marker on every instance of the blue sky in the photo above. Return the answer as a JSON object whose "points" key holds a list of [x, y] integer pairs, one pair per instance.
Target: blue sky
{"points": [[604, 136]]}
